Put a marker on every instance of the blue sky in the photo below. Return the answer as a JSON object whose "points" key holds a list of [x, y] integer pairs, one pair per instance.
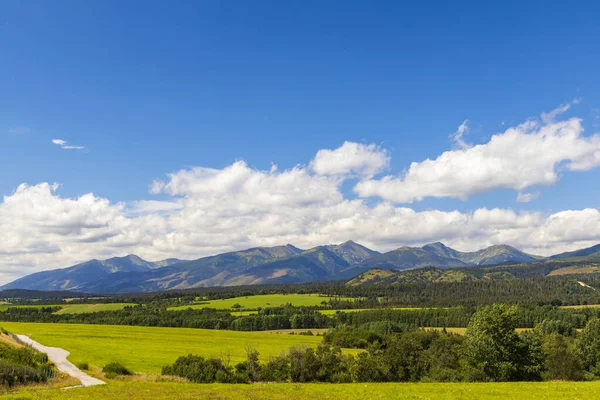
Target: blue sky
{"points": [[150, 88]]}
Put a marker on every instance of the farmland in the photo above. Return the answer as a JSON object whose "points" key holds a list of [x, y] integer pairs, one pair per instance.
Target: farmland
{"points": [[138, 389], [261, 301], [148, 349]]}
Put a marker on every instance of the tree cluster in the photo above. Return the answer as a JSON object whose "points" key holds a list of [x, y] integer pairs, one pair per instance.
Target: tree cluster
{"points": [[491, 350]]}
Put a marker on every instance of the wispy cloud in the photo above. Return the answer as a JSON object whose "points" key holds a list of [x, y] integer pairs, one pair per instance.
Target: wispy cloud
{"points": [[550, 117], [458, 135], [65, 145], [527, 197]]}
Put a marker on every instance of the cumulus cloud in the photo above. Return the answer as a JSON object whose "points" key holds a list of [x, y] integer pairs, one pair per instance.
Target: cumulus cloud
{"points": [[364, 160], [529, 154], [203, 211], [65, 145], [40, 229]]}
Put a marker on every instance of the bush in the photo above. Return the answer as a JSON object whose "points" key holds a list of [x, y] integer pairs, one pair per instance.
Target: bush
{"points": [[200, 370], [113, 369], [83, 366], [350, 337]]}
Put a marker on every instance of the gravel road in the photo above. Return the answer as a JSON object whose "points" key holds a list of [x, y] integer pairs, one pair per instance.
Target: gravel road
{"points": [[59, 358]]}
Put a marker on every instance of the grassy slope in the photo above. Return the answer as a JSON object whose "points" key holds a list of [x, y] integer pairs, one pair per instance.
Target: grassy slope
{"points": [[148, 349], [136, 390], [576, 269], [267, 300]]}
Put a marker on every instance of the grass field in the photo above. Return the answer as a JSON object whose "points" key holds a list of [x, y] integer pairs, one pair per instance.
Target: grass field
{"points": [[243, 313], [582, 306], [576, 269], [5, 307], [332, 312], [266, 300], [148, 349], [88, 308], [327, 312], [133, 389], [74, 308]]}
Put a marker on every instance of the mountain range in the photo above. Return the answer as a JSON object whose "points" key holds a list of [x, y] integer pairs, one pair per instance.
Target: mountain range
{"points": [[263, 265]]}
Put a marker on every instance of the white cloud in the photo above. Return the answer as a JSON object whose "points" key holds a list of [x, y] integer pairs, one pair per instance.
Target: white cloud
{"points": [[550, 117], [153, 206], [529, 154], [65, 145], [206, 211], [41, 230], [458, 135], [527, 197], [364, 160]]}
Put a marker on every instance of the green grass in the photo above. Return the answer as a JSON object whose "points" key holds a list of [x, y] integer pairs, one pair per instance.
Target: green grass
{"points": [[148, 349], [332, 312], [266, 300], [243, 313], [74, 308], [88, 308], [5, 307], [582, 306], [133, 389]]}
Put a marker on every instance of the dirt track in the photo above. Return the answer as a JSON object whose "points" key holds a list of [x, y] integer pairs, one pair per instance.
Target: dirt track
{"points": [[59, 357]]}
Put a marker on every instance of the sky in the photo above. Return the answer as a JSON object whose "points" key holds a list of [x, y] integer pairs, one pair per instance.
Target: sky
{"points": [[185, 129]]}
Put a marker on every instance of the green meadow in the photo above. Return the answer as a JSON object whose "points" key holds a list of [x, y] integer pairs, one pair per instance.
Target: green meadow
{"points": [[139, 389], [261, 301], [73, 308], [148, 349], [88, 308], [333, 312]]}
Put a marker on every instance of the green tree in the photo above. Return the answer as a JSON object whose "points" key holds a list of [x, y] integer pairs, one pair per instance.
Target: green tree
{"points": [[560, 360], [588, 346], [491, 348]]}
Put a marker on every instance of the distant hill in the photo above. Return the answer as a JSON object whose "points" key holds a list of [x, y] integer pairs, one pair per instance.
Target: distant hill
{"points": [[492, 255], [289, 264], [535, 269], [77, 277], [590, 252], [440, 256]]}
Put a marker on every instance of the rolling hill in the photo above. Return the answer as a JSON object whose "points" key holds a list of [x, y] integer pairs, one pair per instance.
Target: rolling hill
{"points": [[590, 252]]}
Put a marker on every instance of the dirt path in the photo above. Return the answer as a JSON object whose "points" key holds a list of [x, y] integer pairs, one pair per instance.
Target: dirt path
{"points": [[585, 285], [59, 358]]}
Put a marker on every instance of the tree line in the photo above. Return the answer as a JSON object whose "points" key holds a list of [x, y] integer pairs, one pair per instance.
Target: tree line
{"points": [[290, 317], [491, 350]]}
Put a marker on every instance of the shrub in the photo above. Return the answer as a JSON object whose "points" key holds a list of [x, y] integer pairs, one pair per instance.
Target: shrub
{"points": [[200, 370], [83, 366], [113, 369]]}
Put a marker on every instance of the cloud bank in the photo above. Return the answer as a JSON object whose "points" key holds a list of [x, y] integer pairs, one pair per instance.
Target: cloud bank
{"points": [[209, 210]]}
